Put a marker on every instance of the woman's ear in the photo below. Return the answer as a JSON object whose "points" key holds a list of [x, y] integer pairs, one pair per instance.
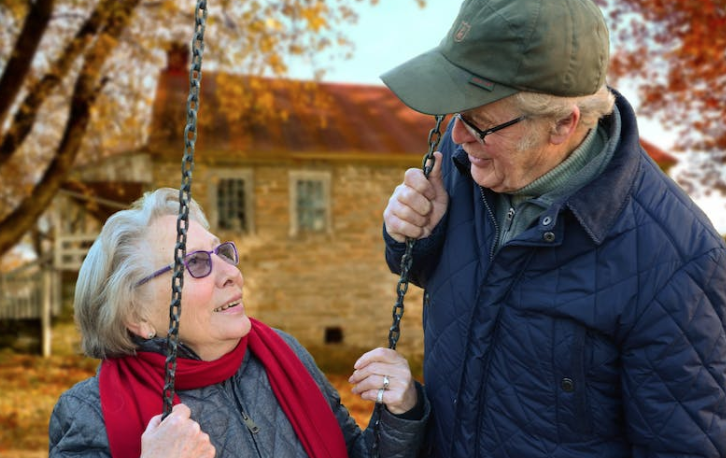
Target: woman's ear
{"points": [[141, 328], [566, 127]]}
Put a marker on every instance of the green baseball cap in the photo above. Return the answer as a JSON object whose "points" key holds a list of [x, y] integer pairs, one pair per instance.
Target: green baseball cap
{"points": [[496, 48]]}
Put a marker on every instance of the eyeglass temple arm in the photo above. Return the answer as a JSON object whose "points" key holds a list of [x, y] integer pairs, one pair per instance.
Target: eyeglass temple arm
{"points": [[155, 274]]}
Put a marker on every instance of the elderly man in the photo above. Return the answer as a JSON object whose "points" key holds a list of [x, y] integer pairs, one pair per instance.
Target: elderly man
{"points": [[575, 297]]}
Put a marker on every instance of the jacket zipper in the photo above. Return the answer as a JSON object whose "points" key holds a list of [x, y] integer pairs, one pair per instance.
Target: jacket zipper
{"points": [[246, 419], [510, 218], [496, 321], [494, 222]]}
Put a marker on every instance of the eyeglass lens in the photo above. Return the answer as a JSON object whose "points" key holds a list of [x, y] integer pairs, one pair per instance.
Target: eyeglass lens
{"points": [[199, 263]]}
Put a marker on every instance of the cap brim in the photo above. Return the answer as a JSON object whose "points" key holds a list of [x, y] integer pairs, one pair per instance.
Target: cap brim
{"points": [[430, 84]]}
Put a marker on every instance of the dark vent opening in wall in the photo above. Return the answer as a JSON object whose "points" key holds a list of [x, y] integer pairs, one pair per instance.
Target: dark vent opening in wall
{"points": [[333, 335]]}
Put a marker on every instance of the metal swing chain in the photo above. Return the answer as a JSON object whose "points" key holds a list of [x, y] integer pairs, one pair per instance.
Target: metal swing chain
{"points": [[394, 332], [185, 190]]}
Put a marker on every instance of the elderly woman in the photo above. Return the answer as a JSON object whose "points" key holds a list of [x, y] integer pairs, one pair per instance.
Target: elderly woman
{"points": [[242, 388]]}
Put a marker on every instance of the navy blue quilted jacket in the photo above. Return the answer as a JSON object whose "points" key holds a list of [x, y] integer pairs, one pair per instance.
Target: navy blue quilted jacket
{"points": [[598, 332]]}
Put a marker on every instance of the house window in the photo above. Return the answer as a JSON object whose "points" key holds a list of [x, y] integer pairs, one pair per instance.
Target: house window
{"points": [[309, 202], [231, 205], [311, 208], [333, 335], [230, 195]]}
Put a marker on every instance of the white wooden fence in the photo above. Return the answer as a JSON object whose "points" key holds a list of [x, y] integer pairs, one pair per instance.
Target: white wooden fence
{"points": [[31, 293], [70, 250]]}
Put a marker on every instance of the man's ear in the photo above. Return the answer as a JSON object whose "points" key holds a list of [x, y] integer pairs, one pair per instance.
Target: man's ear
{"points": [[566, 127]]}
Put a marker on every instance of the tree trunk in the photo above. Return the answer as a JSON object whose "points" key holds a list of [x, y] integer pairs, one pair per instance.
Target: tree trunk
{"points": [[22, 56]]}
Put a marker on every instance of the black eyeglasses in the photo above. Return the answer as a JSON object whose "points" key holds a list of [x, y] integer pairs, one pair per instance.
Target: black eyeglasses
{"points": [[199, 263], [480, 134]]}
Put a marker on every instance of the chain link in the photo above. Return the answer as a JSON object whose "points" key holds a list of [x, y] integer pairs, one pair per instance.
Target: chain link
{"points": [[185, 191], [394, 332]]}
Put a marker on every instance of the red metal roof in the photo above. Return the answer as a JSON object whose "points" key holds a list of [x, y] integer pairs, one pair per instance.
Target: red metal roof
{"points": [[355, 118], [663, 159]]}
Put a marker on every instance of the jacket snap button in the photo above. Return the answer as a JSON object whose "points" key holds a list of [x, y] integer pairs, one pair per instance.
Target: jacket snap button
{"points": [[549, 236], [567, 385], [546, 221]]}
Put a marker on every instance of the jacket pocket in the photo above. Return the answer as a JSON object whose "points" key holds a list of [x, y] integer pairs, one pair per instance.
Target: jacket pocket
{"points": [[573, 416]]}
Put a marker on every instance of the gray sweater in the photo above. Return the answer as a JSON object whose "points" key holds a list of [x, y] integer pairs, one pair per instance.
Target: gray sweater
{"points": [[241, 416]]}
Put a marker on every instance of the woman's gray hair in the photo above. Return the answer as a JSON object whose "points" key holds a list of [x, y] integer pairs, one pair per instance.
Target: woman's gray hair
{"points": [[106, 296], [554, 108]]}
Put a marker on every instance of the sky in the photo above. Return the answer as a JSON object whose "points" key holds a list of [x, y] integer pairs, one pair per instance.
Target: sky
{"points": [[393, 31]]}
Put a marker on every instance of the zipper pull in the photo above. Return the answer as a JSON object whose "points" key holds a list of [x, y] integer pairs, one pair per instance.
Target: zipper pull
{"points": [[510, 217], [251, 425]]}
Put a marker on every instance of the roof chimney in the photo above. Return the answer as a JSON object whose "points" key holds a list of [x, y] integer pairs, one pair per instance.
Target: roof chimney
{"points": [[177, 59]]}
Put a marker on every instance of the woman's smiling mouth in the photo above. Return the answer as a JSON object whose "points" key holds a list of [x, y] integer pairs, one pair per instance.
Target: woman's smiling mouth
{"points": [[227, 306]]}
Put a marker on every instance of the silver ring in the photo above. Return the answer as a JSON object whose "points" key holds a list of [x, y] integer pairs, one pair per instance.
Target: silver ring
{"points": [[379, 399], [386, 382]]}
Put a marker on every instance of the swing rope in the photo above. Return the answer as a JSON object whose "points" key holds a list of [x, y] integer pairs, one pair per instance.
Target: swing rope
{"points": [[185, 191], [394, 332]]}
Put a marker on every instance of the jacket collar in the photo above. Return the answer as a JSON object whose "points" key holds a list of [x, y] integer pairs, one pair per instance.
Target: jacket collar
{"points": [[598, 205]]}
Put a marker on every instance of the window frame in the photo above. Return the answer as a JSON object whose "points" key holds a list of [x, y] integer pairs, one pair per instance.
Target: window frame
{"points": [[217, 175], [295, 176]]}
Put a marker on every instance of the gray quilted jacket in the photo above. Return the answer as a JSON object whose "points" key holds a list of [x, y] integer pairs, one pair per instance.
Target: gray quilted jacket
{"points": [[241, 416]]}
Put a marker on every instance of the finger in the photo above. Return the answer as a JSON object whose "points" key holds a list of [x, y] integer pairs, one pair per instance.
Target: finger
{"points": [[391, 398], [401, 212], [399, 230], [373, 382], [412, 195], [377, 354], [435, 173], [397, 367], [437, 180], [434, 184], [380, 394], [401, 220], [373, 377], [415, 180], [374, 395], [392, 224], [153, 423], [376, 382], [181, 411], [208, 450], [412, 208]]}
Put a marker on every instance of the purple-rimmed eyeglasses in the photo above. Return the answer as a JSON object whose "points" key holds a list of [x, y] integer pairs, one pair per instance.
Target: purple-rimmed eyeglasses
{"points": [[199, 263], [480, 134]]}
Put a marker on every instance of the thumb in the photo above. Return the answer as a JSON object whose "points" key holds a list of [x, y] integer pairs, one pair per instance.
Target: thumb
{"points": [[154, 423], [435, 175], [182, 411]]}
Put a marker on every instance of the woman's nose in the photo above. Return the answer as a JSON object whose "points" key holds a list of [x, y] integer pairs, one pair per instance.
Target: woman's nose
{"points": [[227, 272]]}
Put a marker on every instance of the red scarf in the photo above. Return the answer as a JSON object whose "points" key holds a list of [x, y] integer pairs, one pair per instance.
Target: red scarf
{"points": [[131, 392]]}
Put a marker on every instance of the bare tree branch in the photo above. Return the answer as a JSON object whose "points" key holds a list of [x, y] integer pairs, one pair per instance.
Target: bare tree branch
{"points": [[22, 55], [28, 110]]}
